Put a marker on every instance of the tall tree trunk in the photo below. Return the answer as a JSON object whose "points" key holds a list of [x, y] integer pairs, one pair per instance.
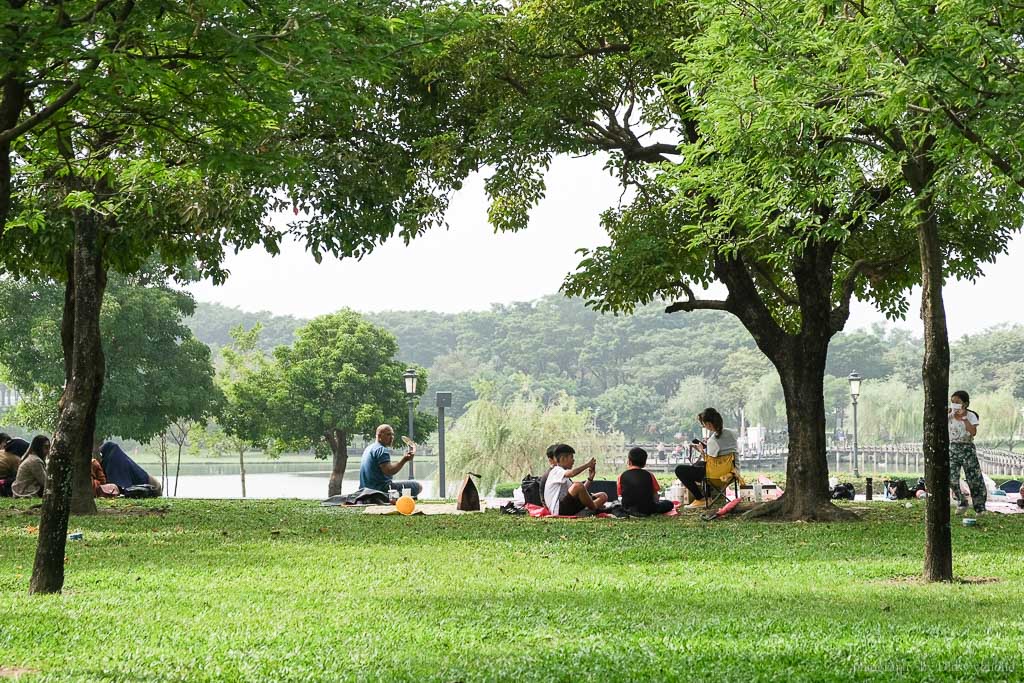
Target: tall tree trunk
{"points": [[807, 495], [338, 441], [162, 441], [938, 554], [12, 104], [82, 500], [76, 420], [241, 465], [177, 468], [799, 357]]}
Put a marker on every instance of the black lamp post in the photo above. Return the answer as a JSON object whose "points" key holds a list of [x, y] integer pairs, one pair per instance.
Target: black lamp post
{"points": [[854, 394], [444, 400], [411, 378]]}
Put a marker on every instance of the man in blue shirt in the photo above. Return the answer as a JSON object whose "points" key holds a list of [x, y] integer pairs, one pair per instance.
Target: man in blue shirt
{"points": [[377, 470]]}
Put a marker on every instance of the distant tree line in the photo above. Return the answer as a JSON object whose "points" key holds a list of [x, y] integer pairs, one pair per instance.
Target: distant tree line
{"points": [[647, 374]]}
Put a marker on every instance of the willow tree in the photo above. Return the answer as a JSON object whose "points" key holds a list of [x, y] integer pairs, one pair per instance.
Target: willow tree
{"points": [[216, 115]]}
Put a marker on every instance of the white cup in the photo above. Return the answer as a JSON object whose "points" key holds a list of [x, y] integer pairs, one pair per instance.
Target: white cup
{"points": [[407, 492]]}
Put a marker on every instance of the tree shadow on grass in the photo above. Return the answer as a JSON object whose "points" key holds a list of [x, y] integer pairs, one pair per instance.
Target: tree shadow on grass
{"points": [[469, 631]]}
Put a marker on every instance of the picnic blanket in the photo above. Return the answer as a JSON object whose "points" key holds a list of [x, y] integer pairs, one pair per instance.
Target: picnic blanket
{"points": [[540, 511], [423, 509], [362, 496], [1004, 505]]}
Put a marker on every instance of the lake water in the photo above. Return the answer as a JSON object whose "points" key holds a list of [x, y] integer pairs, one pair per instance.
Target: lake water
{"points": [[274, 480]]}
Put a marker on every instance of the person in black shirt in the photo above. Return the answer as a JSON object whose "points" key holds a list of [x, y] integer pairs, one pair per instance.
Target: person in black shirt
{"points": [[638, 488]]}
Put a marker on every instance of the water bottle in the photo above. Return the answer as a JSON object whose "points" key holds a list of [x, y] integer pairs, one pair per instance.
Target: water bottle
{"points": [[757, 491]]}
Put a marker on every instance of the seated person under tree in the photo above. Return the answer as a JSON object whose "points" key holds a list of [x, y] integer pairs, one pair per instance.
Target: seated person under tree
{"points": [[721, 442]]}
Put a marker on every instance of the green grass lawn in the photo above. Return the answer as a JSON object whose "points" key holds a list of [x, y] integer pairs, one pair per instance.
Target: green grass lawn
{"points": [[289, 591]]}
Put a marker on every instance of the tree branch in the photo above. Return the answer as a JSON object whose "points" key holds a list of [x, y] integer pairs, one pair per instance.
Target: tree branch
{"points": [[44, 113], [997, 159], [692, 303], [864, 142], [841, 313], [769, 283], [605, 49]]}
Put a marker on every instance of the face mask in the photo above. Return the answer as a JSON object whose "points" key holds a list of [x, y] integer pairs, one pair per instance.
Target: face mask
{"points": [[955, 406]]}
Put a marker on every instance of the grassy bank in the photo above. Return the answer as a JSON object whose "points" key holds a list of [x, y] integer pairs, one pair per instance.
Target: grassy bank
{"points": [[286, 590]]}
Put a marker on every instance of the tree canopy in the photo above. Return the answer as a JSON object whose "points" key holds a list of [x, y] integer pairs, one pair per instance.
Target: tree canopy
{"points": [[752, 155], [157, 371], [340, 379], [655, 357]]}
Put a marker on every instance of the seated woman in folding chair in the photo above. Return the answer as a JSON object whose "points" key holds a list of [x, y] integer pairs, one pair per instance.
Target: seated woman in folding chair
{"points": [[722, 442]]}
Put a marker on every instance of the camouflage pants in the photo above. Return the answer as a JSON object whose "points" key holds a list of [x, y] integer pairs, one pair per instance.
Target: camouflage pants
{"points": [[964, 455]]}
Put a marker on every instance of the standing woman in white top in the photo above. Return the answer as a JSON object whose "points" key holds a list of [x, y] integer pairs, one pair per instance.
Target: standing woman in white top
{"points": [[721, 442], [963, 425]]}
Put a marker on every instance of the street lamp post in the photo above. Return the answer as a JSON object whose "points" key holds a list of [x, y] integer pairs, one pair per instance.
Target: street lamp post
{"points": [[444, 400], [854, 394], [411, 378]]}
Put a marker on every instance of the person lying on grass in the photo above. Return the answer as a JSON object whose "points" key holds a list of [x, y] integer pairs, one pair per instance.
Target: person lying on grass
{"points": [[563, 496], [638, 488]]}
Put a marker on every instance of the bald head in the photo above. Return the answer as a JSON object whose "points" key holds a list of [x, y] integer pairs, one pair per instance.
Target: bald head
{"points": [[385, 434]]}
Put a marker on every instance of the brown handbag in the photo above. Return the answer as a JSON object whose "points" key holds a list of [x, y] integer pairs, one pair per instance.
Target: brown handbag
{"points": [[468, 498]]}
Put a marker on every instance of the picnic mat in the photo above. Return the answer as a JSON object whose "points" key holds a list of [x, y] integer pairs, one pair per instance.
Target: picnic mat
{"points": [[1004, 505], [540, 511], [421, 509]]}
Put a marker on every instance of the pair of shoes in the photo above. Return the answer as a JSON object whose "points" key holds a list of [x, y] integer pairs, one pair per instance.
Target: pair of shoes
{"points": [[696, 504]]}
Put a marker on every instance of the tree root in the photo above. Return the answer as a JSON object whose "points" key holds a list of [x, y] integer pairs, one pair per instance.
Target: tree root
{"points": [[783, 510]]}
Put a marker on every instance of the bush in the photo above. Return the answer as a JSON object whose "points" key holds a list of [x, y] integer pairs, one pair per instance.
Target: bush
{"points": [[504, 489]]}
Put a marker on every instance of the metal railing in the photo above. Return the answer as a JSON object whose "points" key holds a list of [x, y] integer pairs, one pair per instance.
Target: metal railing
{"points": [[907, 458]]}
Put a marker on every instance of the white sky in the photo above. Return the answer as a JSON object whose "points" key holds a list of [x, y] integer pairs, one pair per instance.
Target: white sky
{"points": [[468, 267]]}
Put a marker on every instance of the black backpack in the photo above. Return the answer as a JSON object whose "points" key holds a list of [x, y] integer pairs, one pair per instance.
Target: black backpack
{"points": [[140, 491], [842, 492], [898, 489], [531, 490]]}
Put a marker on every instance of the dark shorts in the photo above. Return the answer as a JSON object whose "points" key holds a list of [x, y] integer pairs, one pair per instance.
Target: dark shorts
{"points": [[570, 505]]}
